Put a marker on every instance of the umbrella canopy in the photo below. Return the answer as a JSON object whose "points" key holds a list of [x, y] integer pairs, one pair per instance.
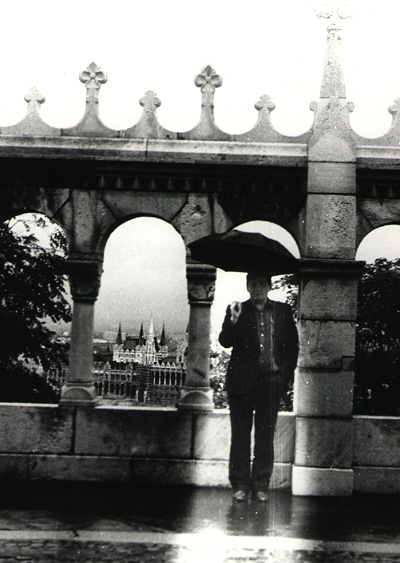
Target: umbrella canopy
{"points": [[240, 251]]}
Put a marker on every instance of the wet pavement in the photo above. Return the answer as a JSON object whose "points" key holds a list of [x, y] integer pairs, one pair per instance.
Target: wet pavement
{"points": [[103, 522]]}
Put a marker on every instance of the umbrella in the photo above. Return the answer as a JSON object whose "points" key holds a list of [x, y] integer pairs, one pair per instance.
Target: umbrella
{"points": [[240, 251]]}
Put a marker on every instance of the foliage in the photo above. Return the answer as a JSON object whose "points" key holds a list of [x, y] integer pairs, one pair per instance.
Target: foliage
{"points": [[219, 366], [377, 384], [32, 291], [290, 285]]}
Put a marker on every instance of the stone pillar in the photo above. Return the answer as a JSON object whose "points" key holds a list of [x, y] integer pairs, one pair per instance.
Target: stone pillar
{"points": [[196, 393], [85, 275], [325, 377], [328, 291]]}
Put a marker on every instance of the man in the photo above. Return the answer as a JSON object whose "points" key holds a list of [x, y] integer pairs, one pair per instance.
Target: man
{"points": [[264, 355]]}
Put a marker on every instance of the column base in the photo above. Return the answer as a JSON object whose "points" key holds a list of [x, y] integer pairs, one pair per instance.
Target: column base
{"points": [[321, 482], [78, 395], [196, 399]]}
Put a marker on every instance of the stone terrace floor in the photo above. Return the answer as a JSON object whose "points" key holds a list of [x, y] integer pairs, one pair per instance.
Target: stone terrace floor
{"points": [[60, 522]]}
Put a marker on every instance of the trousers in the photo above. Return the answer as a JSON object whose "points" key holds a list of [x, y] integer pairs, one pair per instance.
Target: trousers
{"points": [[262, 404]]}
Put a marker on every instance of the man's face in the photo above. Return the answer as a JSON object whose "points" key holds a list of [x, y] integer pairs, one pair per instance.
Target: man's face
{"points": [[259, 287]]}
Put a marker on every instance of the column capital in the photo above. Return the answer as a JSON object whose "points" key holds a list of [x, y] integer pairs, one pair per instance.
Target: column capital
{"points": [[201, 283], [85, 276]]}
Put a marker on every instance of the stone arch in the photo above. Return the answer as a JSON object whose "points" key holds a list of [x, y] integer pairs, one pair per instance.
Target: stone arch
{"points": [[144, 274], [380, 242], [128, 218]]}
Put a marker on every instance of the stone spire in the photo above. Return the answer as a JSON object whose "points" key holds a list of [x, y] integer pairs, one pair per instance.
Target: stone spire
{"points": [[333, 83], [332, 138]]}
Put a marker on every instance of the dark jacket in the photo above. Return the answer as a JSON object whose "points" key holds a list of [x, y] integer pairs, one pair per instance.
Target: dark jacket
{"points": [[243, 366]]}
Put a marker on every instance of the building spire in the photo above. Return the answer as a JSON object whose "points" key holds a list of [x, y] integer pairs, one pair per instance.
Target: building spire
{"points": [[163, 338], [150, 334], [141, 334], [119, 335]]}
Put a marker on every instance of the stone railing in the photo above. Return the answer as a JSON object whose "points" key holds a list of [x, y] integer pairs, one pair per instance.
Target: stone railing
{"points": [[46, 442]]}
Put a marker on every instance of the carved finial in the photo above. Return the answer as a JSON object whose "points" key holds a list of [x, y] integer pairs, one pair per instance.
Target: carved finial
{"points": [[265, 104], [394, 107], [208, 81], [150, 102], [394, 110], [93, 78], [34, 100], [334, 12]]}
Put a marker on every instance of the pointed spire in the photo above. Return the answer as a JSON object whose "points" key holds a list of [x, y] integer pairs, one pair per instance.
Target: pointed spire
{"points": [[141, 334], [333, 83], [119, 335], [150, 333], [163, 338]]}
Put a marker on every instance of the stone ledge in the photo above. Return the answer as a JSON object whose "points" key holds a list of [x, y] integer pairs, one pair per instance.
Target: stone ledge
{"points": [[377, 480], [124, 469], [35, 428], [376, 438], [155, 150], [313, 481]]}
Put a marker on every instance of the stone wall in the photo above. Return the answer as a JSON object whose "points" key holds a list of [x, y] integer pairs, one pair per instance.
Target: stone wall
{"points": [[47, 442]]}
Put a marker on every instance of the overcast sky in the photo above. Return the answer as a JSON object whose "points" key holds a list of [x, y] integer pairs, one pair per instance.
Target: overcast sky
{"points": [[258, 47]]}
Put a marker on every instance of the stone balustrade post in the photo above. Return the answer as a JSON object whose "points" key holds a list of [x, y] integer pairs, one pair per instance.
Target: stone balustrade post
{"points": [[85, 275], [196, 393]]}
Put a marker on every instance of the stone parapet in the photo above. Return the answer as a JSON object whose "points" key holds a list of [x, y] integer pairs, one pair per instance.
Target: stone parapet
{"points": [[323, 442], [47, 442]]}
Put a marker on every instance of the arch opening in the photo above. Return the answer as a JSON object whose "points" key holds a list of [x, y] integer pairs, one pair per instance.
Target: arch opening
{"points": [[231, 286], [377, 384], [142, 310]]}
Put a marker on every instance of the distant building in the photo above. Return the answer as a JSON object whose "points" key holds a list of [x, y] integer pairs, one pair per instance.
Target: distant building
{"points": [[138, 370]]}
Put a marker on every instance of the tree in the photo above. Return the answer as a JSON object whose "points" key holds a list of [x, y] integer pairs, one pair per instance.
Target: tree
{"points": [[377, 385], [32, 292]]}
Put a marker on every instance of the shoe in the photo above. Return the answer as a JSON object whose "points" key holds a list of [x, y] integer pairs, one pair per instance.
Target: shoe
{"points": [[260, 496], [240, 496]]}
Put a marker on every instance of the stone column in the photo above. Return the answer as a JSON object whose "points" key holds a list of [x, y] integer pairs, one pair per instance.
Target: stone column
{"points": [[325, 377], [85, 275], [196, 393]]}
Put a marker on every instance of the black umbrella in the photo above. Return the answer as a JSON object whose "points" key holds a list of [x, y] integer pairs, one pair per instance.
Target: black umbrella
{"points": [[240, 251]]}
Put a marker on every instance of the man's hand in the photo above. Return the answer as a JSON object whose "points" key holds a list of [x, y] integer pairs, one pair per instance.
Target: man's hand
{"points": [[236, 309]]}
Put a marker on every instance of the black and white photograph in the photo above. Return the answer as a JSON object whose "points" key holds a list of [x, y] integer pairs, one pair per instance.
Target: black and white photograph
{"points": [[200, 281]]}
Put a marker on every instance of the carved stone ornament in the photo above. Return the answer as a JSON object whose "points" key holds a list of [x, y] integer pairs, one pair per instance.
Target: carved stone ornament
{"points": [[85, 278], [334, 12], [265, 104], [208, 80], [93, 78], [201, 293], [150, 102], [34, 99], [201, 283]]}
